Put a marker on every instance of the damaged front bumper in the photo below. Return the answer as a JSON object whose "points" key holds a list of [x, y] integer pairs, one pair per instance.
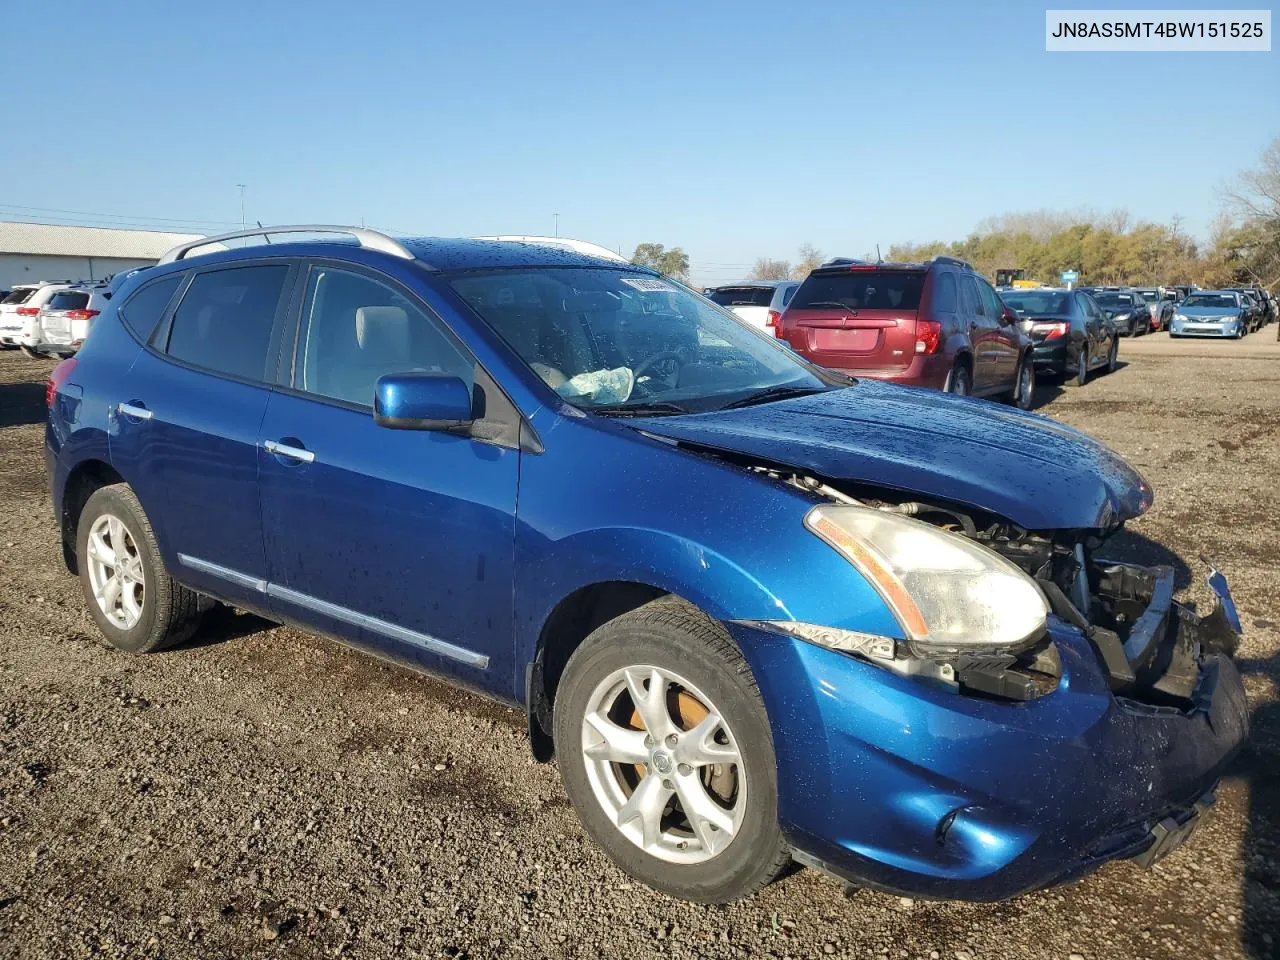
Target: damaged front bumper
{"points": [[904, 786]]}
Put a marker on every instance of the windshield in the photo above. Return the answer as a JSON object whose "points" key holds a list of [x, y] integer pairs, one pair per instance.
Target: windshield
{"points": [[605, 338], [1211, 300], [742, 296], [861, 289], [1037, 302], [1113, 299]]}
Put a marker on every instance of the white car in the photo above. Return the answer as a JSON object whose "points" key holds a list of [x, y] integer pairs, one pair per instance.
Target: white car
{"points": [[64, 318], [758, 302], [21, 305]]}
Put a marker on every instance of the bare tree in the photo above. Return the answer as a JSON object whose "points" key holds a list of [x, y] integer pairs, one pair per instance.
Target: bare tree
{"points": [[767, 269], [810, 259]]}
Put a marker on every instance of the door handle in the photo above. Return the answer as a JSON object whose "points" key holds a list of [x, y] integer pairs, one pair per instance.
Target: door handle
{"points": [[132, 410], [284, 450]]}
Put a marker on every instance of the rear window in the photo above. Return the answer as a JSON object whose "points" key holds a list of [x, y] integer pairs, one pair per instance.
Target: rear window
{"points": [[224, 321], [861, 290], [68, 301], [18, 296], [1037, 303], [1113, 299], [742, 296]]}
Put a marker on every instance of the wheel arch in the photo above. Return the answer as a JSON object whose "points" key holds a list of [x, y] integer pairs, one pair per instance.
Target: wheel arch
{"points": [[84, 478], [569, 623]]}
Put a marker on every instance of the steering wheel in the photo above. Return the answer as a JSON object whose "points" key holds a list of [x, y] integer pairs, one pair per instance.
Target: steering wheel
{"points": [[657, 358]]}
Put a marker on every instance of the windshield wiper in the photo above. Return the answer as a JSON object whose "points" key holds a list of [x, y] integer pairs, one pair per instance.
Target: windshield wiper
{"points": [[827, 303], [771, 393], [649, 409]]}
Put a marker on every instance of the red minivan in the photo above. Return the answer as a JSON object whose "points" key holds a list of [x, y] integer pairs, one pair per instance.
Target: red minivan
{"points": [[937, 324]]}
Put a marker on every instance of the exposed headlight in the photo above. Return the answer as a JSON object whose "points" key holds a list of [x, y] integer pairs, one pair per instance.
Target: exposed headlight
{"points": [[949, 594], [1180, 317]]}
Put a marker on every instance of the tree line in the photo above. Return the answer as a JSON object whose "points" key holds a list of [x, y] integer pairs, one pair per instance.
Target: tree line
{"points": [[1243, 248]]}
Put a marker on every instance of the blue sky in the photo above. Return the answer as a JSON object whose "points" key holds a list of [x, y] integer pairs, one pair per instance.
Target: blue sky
{"points": [[734, 130]]}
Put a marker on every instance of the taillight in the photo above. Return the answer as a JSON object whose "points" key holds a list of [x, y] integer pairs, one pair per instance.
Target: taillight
{"points": [[928, 334], [1051, 331], [27, 311], [57, 378], [81, 314], [771, 323]]}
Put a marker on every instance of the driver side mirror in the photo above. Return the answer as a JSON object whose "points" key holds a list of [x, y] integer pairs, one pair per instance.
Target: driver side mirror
{"points": [[1008, 316], [422, 401]]}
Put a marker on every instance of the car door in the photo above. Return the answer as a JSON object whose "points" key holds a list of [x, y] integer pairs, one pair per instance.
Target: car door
{"points": [[1096, 333], [184, 429], [1004, 337], [398, 540], [982, 330]]}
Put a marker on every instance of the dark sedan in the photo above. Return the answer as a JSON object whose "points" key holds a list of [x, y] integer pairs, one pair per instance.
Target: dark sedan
{"points": [[1127, 309], [1071, 333]]}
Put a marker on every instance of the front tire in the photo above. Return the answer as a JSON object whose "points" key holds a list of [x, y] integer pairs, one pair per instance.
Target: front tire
{"points": [[678, 785], [1113, 356], [138, 607]]}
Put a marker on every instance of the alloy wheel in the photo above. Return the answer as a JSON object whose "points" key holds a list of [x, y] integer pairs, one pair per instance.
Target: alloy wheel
{"points": [[663, 764], [116, 574]]}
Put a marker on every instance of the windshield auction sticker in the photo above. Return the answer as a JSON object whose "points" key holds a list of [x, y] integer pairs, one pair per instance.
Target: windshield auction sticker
{"points": [[1157, 31]]}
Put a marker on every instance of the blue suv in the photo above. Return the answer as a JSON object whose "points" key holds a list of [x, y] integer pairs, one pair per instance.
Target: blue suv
{"points": [[759, 611]]}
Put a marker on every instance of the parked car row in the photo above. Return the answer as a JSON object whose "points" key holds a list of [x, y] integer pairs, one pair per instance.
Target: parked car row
{"points": [[937, 324], [50, 317]]}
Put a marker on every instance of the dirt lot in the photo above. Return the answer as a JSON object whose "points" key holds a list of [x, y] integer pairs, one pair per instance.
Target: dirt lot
{"points": [[265, 792]]}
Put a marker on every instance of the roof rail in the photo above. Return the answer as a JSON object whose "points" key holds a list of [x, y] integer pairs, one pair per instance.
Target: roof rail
{"points": [[954, 261], [370, 239], [567, 243]]}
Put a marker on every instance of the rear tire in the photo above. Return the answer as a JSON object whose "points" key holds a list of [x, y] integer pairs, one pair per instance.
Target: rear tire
{"points": [[138, 607], [959, 380], [1024, 388], [29, 353], [1082, 367], [618, 766]]}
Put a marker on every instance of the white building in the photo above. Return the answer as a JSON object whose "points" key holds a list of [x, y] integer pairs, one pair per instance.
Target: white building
{"points": [[38, 251]]}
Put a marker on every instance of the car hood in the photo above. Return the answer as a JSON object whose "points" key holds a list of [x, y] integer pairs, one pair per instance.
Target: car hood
{"points": [[1033, 471]]}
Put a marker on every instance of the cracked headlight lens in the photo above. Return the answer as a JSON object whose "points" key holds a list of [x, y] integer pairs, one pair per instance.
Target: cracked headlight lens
{"points": [[949, 594]]}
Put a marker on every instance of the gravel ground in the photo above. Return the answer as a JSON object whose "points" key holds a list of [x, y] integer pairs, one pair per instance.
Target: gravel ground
{"points": [[264, 792]]}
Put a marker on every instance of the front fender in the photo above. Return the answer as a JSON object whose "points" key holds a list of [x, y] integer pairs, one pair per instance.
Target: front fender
{"points": [[619, 506]]}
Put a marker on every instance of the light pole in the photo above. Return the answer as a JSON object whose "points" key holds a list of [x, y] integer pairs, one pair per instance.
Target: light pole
{"points": [[557, 216], [241, 186]]}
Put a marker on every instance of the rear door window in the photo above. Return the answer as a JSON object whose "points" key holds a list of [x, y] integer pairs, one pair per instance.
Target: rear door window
{"points": [[861, 290], [143, 310], [225, 319], [742, 296], [975, 298]]}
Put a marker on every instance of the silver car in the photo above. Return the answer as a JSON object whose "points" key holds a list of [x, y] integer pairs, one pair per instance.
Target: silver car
{"points": [[758, 302], [65, 318], [1211, 313]]}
